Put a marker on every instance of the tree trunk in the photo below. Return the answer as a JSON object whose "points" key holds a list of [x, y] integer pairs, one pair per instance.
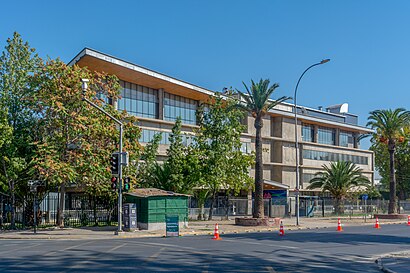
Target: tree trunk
{"points": [[258, 211], [12, 196], [339, 208], [60, 212], [201, 213], [393, 199], [1, 210], [227, 206], [95, 210], [13, 205], [211, 208]]}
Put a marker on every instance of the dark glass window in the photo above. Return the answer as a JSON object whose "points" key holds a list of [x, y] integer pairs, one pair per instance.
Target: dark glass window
{"points": [[147, 135], [345, 138], [326, 136], [308, 132], [328, 156], [306, 177], [177, 106], [138, 100]]}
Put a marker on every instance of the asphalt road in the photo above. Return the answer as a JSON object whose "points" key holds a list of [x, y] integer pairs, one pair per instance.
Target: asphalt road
{"points": [[323, 250]]}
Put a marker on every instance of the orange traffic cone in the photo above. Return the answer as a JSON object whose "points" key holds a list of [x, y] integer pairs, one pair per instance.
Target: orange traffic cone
{"points": [[377, 225], [281, 230], [216, 233], [408, 220], [339, 225]]}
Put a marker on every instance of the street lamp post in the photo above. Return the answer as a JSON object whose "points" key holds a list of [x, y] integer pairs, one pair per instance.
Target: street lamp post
{"points": [[296, 138], [122, 161]]}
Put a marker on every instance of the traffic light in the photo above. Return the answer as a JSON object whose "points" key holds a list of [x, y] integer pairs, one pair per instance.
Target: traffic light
{"points": [[115, 163], [127, 181], [114, 181]]}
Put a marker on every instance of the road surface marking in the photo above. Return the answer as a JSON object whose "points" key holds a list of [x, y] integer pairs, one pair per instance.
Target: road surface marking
{"points": [[264, 244], [270, 269], [18, 249], [115, 248], [75, 266], [67, 248], [175, 247], [155, 255]]}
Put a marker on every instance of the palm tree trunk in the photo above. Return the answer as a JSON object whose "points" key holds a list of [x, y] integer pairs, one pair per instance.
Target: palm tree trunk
{"points": [[339, 209], [258, 211], [393, 198]]}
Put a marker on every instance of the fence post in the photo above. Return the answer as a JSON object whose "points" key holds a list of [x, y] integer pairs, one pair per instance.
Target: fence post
{"points": [[323, 207], [290, 207]]}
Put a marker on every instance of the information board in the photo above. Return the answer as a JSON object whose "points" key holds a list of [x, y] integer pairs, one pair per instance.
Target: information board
{"points": [[172, 225]]}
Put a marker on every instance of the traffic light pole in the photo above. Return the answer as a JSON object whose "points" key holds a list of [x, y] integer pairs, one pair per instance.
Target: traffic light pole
{"points": [[120, 187], [85, 85]]}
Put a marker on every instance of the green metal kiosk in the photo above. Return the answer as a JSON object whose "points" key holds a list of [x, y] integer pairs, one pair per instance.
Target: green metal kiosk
{"points": [[154, 205]]}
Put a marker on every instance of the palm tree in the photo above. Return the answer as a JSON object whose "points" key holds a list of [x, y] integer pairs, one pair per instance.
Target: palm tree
{"points": [[160, 177], [339, 178], [257, 102], [389, 125]]}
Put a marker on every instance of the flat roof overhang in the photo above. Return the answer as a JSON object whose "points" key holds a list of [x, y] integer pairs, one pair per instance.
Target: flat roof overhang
{"points": [[133, 73], [97, 61], [269, 184]]}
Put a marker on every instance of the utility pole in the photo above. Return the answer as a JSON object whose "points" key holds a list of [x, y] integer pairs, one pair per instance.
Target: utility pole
{"points": [[121, 156]]}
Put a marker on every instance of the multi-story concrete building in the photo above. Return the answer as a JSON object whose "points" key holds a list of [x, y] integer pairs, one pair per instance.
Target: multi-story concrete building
{"points": [[157, 100]]}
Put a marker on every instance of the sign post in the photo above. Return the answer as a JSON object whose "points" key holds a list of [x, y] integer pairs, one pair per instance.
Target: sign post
{"points": [[172, 225], [365, 197], [33, 184]]}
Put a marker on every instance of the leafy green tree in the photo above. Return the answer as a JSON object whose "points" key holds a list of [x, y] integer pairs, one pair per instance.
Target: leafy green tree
{"points": [[161, 177], [147, 165], [18, 64], [6, 131], [402, 165], [201, 195], [176, 157], [176, 172], [338, 179], [218, 149], [77, 140], [257, 102], [389, 126]]}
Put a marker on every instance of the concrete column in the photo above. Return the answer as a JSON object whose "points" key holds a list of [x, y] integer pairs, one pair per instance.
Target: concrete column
{"points": [[337, 137], [355, 141], [315, 132], [161, 103]]}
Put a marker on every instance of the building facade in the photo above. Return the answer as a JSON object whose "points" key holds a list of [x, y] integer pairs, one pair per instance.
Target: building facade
{"points": [[158, 100]]}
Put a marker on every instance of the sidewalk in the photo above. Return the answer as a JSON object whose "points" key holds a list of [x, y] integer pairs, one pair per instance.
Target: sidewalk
{"points": [[195, 228]]}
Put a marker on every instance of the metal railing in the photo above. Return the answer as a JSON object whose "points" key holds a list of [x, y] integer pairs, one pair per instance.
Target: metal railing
{"points": [[80, 210]]}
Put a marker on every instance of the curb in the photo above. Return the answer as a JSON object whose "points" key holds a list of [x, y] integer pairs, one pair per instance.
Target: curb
{"points": [[187, 233]]}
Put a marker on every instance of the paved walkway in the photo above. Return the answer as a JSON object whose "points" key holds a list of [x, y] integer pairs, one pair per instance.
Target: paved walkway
{"points": [[195, 228]]}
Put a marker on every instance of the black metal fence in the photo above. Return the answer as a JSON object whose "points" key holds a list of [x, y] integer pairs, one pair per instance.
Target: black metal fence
{"points": [[79, 210], [308, 207]]}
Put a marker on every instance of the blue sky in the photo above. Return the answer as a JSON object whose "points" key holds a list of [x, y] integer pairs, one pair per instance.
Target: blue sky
{"points": [[222, 43]]}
